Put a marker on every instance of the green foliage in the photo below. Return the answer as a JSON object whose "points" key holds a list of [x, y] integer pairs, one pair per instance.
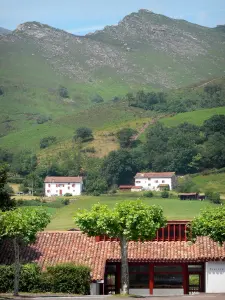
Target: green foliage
{"points": [[165, 194], [96, 186], [41, 119], [148, 194], [6, 202], [97, 99], [214, 197], [63, 92], [83, 133], [47, 141], [24, 162], [1, 91], [132, 219], [215, 124], [66, 278], [124, 137], [23, 224], [211, 222], [186, 185], [69, 278]]}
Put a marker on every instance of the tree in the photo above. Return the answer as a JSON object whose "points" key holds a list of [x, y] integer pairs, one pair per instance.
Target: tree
{"points": [[24, 162], [215, 124], [22, 225], [127, 221], [6, 202], [47, 141], [186, 185], [97, 99], [96, 186], [211, 222], [124, 137], [119, 167], [84, 133], [63, 92]]}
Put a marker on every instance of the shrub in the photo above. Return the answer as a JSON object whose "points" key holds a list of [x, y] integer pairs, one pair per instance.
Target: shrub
{"points": [[65, 201], [69, 278], [97, 99], [213, 197], [148, 194], [96, 193], [164, 194], [67, 195], [47, 141], [42, 119], [63, 92], [6, 278], [83, 133]]}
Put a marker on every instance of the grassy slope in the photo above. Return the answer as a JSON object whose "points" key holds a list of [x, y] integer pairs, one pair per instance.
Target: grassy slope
{"points": [[174, 209], [195, 117], [214, 182]]}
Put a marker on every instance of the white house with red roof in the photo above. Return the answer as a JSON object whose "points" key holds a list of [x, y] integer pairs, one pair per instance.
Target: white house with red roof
{"points": [[156, 181], [59, 186]]}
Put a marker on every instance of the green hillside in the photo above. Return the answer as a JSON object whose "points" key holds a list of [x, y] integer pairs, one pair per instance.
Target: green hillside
{"points": [[211, 182]]}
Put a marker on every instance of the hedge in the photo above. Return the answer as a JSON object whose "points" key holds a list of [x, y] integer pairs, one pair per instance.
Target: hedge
{"points": [[65, 278]]}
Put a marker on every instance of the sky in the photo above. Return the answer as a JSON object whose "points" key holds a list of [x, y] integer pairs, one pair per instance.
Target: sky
{"points": [[83, 16]]}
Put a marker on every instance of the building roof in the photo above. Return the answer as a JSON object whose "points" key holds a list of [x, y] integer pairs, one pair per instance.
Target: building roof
{"points": [[134, 187], [188, 194], [58, 179], [155, 175], [125, 186], [66, 246]]}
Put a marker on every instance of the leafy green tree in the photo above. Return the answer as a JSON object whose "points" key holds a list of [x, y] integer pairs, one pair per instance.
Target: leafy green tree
{"points": [[215, 124], [6, 202], [83, 133], [96, 185], [130, 98], [211, 222], [186, 185], [127, 221], [24, 162], [119, 167], [165, 194], [22, 226], [124, 137]]}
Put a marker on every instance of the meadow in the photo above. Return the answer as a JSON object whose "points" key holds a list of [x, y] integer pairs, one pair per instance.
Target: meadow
{"points": [[174, 209]]}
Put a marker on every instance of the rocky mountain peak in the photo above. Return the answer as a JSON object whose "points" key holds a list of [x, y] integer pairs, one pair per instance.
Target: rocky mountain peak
{"points": [[4, 31]]}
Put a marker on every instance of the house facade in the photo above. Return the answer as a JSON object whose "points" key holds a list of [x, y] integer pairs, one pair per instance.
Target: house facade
{"points": [[156, 181], [169, 265], [59, 186]]}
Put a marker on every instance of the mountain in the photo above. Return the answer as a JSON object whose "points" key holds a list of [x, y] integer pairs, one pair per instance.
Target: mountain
{"points": [[144, 51], [4, 31]]}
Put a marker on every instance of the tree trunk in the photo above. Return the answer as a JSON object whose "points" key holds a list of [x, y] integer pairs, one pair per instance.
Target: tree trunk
{"points": [[124, 267], [17, 267]]}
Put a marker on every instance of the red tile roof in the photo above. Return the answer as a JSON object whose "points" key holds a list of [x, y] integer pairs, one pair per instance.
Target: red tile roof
{"points": [[65, 246], [52, 179], [136, 187], [155, 175]]}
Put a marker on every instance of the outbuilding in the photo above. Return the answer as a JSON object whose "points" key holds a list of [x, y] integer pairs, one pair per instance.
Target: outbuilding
{"points": [[169, 265]]}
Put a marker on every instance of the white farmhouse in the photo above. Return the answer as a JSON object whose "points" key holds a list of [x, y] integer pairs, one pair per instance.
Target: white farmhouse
{"points": [[156, 181], [59, 186]]}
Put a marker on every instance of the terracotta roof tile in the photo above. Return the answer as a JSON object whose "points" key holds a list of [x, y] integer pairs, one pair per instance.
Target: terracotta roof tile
{"points": [[155, 175], [59, 247], [57, 179]]}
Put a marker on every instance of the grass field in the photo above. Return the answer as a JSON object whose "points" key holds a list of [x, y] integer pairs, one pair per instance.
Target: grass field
{"points": [[214, 182], [174, 209]]}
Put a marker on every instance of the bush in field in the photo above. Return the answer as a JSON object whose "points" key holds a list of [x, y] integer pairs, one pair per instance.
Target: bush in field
{"points": [[97, 99], [47, 141], [165, 194], [63, 92], [148, 194], [83, 133]]}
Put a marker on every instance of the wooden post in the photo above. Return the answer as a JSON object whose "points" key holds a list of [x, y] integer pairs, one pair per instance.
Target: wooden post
{"points": [[185, 278], [151, 278]]}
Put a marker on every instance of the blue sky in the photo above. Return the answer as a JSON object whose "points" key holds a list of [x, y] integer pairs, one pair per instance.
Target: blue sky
{"points": [[82, 16]]}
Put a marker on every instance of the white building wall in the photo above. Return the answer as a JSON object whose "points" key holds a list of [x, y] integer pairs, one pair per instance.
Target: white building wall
{"points": [[53, 189], [153, 183], [215, 277], [94, 289]]}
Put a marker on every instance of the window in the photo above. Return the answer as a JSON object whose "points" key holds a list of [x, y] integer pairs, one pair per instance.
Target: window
{"points": [[137, 181], [48, 191], [168, 276], [195, 268], [73, 185], [68, 183], [163, 181], [156, 181], [149, 184], [139, 275], [68, 188], [49, 185], [149, 178]]}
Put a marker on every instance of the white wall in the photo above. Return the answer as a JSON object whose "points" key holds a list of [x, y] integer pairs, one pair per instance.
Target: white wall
{"points": [[152, 183], [140, 292], [94, 289], [64, 187], [215, 277]]}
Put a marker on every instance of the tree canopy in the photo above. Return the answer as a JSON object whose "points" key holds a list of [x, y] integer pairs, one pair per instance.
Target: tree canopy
{"points": [[22, 226], [124, 137], [128, 220], [211, 222], [83, 133], [6, 202]]}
